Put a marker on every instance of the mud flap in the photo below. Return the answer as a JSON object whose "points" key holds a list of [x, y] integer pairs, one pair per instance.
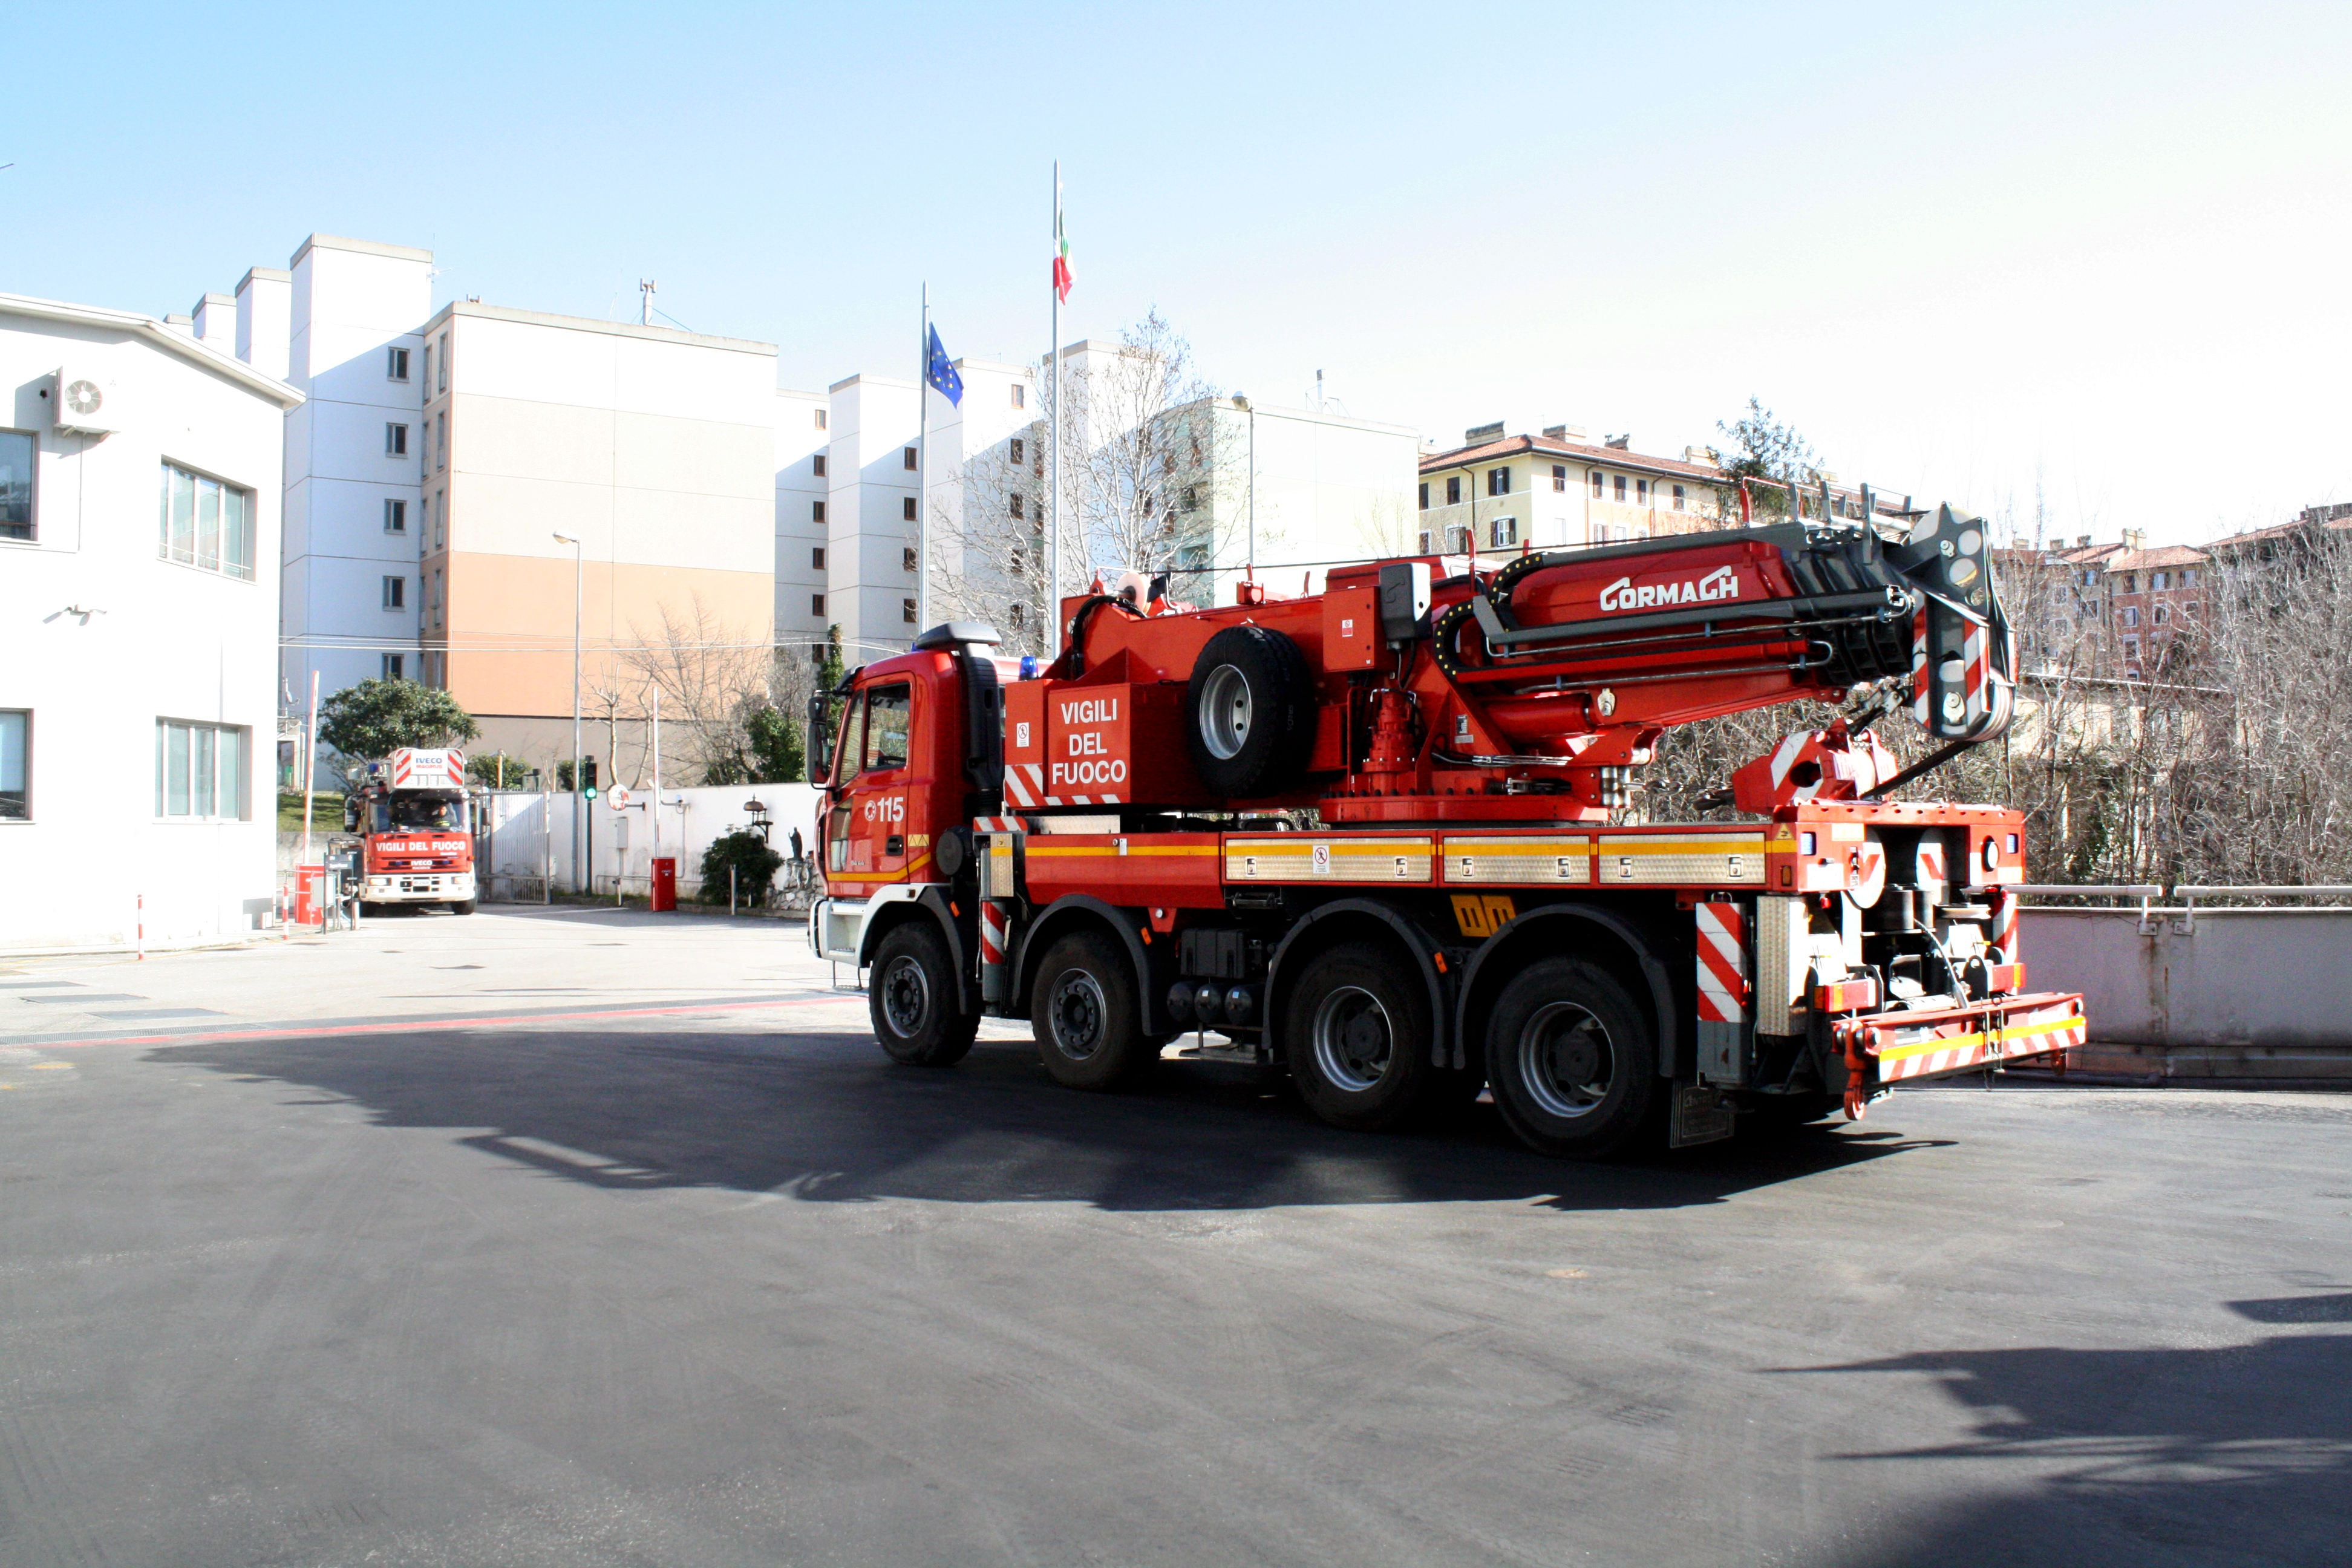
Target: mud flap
{"points": [[1697, 1114]]}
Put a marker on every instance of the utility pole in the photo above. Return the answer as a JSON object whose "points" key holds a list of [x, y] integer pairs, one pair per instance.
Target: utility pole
{"points": [[1052, 620], [579, 869], [923, 468]]}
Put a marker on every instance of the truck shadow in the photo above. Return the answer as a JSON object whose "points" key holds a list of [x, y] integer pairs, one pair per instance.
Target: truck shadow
{"points": [[2235, 1453], [825, 1118]]}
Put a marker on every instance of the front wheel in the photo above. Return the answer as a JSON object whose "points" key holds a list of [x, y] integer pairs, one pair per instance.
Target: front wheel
{"points": [[462, 907], [1572, 1061], [1084, 1011], [913, 1000]]}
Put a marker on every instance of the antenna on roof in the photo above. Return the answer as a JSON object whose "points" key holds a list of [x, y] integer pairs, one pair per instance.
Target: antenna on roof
{"points": [[645, 285]]}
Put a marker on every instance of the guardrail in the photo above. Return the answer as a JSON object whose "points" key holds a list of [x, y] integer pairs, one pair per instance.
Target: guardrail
{"points": [[2207, 980]]}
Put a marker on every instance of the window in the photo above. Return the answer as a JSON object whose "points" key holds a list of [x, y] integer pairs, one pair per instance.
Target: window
{"points": [[396, 515], [1678, 498], [205, 524], [18, 450], [1498, 481], [1502, 533], [2090, 579], [395, 365], [2131, 614], [1620, 485], [1454, 491], [816, 606], [2162, 615], [2131, 649], [444, 385], [907, 611], [913, 460], [1641, 493], [1457, 538], [817, 465], [1424, 495], [15, 770], [1019, 400], [2187, 575], [1019, 504], [1424, 542], [2163, 580], [1192, 497], [1019, 617], [816, 511], [820, 418], [395, 593], [200, 771], [396, 440], [907, 509], [1560, 477], [1596, 484], [1015, 448], [816, 558], [427, 378], [441, 440], [2131, 582], [393, 665], [886, 721], [909, 560]]}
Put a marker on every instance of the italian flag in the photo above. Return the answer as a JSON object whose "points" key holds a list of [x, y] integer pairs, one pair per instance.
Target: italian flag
{"points": [[1063, 277]]}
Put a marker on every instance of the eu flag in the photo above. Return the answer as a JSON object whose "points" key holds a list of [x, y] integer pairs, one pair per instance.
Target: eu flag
{"points": [[939, 373]]}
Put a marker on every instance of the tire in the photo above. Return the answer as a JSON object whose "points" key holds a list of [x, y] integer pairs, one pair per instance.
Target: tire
{"points": [[1249, 713], [462, 907], [913, 1000], [1083, 1010], [1573, 1061], [1355, 1033]]}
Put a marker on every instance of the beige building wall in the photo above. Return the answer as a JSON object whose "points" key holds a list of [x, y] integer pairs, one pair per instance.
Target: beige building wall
{"points": [[655, 447]]}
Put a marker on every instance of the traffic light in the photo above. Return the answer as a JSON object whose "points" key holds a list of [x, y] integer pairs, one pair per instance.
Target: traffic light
{"points": [[588, 777]]}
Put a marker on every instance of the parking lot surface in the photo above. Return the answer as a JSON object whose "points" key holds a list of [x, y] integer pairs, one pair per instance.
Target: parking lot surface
{"points": [[577, 1238]]}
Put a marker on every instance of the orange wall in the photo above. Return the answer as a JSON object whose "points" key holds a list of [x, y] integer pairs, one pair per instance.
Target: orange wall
{"points": [[509, 606]]}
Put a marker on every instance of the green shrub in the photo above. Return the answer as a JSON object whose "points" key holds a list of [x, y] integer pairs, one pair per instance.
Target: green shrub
{"points": [[754, 864]]}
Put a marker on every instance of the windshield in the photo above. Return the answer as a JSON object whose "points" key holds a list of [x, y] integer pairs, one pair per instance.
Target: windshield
{"points": [[412, 813]]}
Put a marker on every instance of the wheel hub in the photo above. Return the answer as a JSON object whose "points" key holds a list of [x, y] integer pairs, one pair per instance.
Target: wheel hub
{"points": [[1226, 713], [1353, 1038], [1566, 1060], [1076, 1015], [906, 995]]}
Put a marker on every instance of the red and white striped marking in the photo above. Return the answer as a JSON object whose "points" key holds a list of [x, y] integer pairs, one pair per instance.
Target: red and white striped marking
{"points": [[993, 931], [997, 825], [1722, 963], [2004, 923], [1025, 783], [1919, 681], [1930, 871], [1975, 1040]]}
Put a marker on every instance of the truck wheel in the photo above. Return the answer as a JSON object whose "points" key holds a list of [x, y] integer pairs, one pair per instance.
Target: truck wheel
{"points": [[1357, 1035], [1572, 1061], [1249, 712], [1084, 1012], [462, 907], [912, 999]]}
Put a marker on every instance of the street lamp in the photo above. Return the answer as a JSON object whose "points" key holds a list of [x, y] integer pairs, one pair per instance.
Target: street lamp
{"points": [[758, 811], [579, 872]]}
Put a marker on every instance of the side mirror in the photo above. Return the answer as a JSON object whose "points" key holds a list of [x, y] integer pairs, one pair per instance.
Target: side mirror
{"points": [[820, 743], [351, 813]]}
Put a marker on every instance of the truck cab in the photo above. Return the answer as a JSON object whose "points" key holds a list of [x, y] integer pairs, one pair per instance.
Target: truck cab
{"points": [[410, 811]]}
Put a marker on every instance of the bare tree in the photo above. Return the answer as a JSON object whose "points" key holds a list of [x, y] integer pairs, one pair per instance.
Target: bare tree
{"points": [[713, 677]]}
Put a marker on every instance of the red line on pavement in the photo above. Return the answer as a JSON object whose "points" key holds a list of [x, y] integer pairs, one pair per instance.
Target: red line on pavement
{"points": [[425, 1026]]}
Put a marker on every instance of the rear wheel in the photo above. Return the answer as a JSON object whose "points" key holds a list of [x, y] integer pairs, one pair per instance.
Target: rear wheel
{"points": [[1357, 1033], [1084, 1012], [912, 999], [1572, 1061]]}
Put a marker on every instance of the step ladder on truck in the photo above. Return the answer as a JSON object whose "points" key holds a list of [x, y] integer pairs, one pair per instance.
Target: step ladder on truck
{"points": [[1380, 836]]}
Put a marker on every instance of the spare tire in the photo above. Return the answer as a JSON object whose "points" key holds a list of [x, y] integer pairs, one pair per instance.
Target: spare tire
{"points": [[1249, 713]]}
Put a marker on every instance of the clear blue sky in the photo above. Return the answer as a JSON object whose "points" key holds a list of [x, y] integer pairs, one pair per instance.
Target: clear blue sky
{"points": [[1964, 249]]}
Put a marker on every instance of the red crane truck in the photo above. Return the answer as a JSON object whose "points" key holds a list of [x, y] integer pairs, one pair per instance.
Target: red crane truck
{"points": [[1382, 837]]}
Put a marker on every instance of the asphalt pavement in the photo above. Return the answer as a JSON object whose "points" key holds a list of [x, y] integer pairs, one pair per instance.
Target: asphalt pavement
{"points": [[579, 1238]]}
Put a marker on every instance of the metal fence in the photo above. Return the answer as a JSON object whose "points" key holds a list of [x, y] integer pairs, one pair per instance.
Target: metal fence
{"points": [[2206, 981]]}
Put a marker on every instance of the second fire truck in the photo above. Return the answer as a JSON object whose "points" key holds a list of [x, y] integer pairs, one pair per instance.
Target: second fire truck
{"points": [[1382, 838]]}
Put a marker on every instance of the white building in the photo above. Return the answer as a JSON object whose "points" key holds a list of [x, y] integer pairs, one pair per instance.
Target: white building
{"points": [[803, 492], [139, 584]]}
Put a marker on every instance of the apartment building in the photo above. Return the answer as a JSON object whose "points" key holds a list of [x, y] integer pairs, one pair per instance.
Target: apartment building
{"points": [[140, 472], [804, 584], [1497, 493], [438, 454]]}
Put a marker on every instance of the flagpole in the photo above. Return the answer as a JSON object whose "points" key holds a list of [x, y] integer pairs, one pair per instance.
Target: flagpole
{"points": [[1052, 621], [923, 468]]}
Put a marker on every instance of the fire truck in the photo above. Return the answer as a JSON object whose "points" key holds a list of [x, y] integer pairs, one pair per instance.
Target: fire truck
{"points": [[1385, 838], [409, 810]]}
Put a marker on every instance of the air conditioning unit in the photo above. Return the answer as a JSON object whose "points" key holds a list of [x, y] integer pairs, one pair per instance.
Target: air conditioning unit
{"points": [[86, 402]]}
